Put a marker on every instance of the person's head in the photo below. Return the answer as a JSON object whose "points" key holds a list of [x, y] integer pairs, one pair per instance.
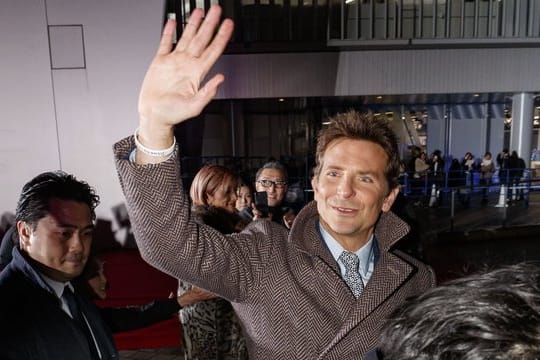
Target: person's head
{"points": [[96, 280], [272, 178], [415, 151], [436, 155], [487, 155], [54, 217], [244, 197], [215, 185], [356, 175], [468, 156], [495, 315]]}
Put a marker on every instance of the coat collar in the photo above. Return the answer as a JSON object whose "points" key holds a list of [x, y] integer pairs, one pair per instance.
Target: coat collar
{"points": [[24, 265], [390, 272]]}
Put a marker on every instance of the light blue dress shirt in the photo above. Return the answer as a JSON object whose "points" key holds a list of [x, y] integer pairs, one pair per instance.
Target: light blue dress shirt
{"points": [[365, 254]]}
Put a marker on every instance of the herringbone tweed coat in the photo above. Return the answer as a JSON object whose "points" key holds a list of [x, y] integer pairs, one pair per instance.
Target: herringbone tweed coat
{"points": [[285, 287]]}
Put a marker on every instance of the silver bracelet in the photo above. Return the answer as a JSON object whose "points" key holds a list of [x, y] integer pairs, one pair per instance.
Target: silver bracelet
{"points": [[154, 153]]}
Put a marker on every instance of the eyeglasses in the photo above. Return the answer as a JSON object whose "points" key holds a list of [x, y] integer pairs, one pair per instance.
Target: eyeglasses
{"points": [[268, 183]]}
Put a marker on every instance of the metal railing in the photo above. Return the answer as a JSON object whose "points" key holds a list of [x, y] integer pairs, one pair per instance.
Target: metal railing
{"points": [[300, 24], [417, 20], [451, 200], [454, 193]]}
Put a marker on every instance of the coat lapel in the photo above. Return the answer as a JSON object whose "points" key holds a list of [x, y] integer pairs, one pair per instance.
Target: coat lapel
{"points": [[390, 273]]}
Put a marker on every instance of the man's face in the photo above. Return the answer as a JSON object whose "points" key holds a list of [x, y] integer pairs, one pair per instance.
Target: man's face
{"points": [[61, 241], [276, 193], [351, 190]]}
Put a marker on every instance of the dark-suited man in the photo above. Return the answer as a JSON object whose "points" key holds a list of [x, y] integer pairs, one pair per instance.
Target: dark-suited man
{"points": [[320, 291], [41, 312]]}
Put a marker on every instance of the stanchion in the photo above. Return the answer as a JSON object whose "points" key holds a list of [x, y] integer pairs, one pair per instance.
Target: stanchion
{"points": [[514, 192], [452, 208], [502, 197], [433, 197]]}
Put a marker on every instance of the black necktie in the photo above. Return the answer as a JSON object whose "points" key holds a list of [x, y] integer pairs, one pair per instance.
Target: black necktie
{"points": [[77, 315]]}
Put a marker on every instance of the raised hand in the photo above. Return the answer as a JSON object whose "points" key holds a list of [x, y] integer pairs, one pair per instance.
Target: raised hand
{"points": [[173, 89]]}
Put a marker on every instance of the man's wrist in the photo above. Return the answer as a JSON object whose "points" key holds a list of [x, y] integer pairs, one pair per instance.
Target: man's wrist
{"points": [[155, 136], [157, 140], [163, 153]]}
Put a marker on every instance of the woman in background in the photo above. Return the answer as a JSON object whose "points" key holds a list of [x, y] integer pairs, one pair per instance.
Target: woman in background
{"points": [[211, 329], [244, 201], [487, 168], [421, 167]]}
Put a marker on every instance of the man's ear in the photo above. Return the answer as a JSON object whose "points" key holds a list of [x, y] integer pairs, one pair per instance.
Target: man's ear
{"points": [[25, 231], [314, 185], [390, 198]]}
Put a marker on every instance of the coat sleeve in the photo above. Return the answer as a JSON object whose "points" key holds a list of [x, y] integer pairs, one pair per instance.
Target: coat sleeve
{"points": [[169, 238], [136, 317]]}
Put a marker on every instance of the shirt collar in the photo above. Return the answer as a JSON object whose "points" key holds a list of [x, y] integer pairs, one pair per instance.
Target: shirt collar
{"points": [[365, 253], [56, 286]]}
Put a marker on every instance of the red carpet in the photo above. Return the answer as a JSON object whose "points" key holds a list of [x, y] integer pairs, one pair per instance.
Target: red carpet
{"points": [[133, 282]]}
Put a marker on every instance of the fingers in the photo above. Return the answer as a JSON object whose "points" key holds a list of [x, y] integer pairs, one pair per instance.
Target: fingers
{"points": [[205, 32], [190, 29], [216, 48], [165, 44]]}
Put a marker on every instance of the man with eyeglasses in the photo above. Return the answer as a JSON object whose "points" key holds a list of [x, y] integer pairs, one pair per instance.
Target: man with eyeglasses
{"points": [[272, 178]]}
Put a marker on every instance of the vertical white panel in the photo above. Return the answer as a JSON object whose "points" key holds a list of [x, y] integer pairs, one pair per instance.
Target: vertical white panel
{"points": [[28, 143], [98, 105]]}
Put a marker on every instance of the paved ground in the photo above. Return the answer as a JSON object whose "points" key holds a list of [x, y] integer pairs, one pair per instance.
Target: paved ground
{"points": [[152, 354]]}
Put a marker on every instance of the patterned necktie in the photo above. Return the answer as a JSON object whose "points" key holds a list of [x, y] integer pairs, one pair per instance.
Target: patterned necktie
{"points": [[352, 276], [77, 315]]}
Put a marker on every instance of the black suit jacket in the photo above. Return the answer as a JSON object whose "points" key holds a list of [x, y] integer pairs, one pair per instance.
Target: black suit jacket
{"points": [[33, 324]]}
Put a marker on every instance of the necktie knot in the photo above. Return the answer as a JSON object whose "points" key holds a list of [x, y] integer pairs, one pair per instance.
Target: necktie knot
{"points": [[352, 276], [350, 261]]}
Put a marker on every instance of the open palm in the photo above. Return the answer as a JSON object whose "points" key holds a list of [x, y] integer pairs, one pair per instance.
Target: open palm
{"points": [[171, 91]]}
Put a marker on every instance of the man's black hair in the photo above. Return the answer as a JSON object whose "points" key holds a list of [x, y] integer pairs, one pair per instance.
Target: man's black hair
{"points": [[494, 315], [33, 203]]}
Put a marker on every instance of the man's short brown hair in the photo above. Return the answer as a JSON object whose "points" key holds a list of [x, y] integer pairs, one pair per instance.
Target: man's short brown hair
{"points": [[360, 126]]}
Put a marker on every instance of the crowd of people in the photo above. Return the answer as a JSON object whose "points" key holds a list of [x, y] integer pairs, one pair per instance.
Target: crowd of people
{"points": [[255, 279], [219, 198], [422, 174]]}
